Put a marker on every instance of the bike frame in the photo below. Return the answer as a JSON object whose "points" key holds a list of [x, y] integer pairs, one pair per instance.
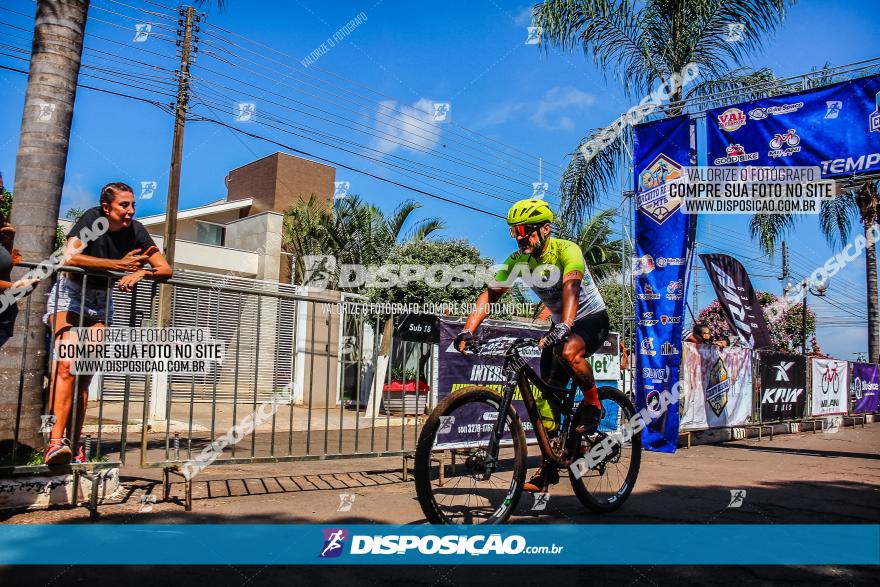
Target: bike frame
{"points": [[522, 377]]}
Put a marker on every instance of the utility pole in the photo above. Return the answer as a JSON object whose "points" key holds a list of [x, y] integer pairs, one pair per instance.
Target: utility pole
{"points": [[156, 387], [784, 262], [186, 27]]}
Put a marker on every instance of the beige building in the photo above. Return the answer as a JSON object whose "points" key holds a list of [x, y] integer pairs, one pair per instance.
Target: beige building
{"points": [[231, 252]]}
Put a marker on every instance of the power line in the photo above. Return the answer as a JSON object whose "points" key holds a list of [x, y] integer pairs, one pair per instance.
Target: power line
{"points": [[416, 127], [381, 153], [349, 82], [361, 155], [348, 167]]}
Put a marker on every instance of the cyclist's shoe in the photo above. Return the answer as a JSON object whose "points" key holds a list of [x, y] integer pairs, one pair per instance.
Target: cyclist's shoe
{"points": [[80, 456], [58, 452], [543, 478], [588, 418]]}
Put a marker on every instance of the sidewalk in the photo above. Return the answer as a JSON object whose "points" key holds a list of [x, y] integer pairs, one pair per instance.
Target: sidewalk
{"points": [[798, 478]]}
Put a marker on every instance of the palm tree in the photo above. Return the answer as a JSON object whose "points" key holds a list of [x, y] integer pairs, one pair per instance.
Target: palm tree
{"points": [[644, 43], [59, 26], [353, 231], [59, 29], [602, 253], [835, 220]]}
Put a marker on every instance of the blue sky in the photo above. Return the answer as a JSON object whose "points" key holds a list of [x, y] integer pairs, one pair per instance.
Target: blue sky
{"points": [[401, 59]]}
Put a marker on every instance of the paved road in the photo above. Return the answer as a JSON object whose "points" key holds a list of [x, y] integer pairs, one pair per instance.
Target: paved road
{"points": [[805, 478]]}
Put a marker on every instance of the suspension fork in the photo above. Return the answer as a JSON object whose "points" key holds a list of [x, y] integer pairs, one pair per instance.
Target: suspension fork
{"points": [[500, 421]]}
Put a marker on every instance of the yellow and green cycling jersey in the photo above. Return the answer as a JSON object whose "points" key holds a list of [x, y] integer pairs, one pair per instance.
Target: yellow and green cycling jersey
{"points": [[563, 255]]}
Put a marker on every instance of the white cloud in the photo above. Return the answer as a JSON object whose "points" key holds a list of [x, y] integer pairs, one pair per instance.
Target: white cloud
{"points": [[524, 17], [498, 115], [556, 101], [406, 127]]}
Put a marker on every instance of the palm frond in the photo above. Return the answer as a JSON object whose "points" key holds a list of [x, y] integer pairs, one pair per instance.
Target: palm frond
{"points": [[759, 82], [836, 218], [768, 229], [585, 180], [610, 31], [423, 229]]}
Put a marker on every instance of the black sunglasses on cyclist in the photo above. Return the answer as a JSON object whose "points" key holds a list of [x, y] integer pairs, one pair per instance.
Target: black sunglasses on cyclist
{"points": [[523, 230]]}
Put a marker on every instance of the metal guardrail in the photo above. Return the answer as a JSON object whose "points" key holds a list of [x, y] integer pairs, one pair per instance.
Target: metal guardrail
{"points": [[337, 409]]}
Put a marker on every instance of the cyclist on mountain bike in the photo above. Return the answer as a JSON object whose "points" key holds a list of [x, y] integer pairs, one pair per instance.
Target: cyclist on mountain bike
{"points": [[579, 318]]}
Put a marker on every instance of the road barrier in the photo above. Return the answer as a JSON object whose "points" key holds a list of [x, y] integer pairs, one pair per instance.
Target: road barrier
{"points": [[304, 376]]}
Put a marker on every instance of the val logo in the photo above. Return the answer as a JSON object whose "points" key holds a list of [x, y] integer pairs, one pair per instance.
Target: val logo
{"points": [[654, 199], [334, 539], [731, 119]]}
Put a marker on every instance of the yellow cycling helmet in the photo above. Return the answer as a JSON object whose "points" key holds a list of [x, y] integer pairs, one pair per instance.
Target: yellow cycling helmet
{"points": [[529, 211]]}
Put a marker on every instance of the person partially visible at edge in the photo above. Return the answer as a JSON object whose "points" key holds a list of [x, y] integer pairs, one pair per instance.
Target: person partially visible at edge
{"points": [[125, 247], [579, 319], [699, 334], [9, 257]]}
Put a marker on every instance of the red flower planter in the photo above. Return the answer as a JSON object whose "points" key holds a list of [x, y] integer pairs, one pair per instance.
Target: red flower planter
{"points": [[408, 398]]}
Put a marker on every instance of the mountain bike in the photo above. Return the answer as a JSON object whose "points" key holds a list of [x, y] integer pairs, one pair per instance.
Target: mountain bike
{"points": [[481, 432]]}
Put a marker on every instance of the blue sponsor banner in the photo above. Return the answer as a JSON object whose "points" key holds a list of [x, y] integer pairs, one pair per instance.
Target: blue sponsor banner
{"points": [[663, 242], [836, 128], [266, 544]]}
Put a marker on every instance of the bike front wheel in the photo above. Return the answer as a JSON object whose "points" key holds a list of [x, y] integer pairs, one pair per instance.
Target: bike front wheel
{"points": [[607, 481], [457, 481]]}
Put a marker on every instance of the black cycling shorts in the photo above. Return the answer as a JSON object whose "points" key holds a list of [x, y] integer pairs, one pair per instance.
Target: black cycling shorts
{"points": [[593, 329]]}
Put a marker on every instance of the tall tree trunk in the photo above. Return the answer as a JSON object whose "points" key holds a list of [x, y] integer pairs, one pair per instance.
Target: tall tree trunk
{"points": [[39, 176], [867, 200]]}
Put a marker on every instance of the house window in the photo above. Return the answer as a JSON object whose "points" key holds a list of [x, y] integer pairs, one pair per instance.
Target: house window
{"points": [[210, 233]]}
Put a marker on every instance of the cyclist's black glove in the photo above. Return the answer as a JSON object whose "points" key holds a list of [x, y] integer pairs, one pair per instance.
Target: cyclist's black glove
{"points": [[465, 336], [558, 333]]}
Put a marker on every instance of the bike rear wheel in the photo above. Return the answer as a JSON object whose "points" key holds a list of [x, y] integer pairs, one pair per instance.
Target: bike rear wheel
{"points": [[605, 486], [454, 440]]}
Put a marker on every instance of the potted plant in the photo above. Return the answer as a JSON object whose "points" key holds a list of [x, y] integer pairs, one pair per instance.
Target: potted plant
{"points": [[407, 393]]}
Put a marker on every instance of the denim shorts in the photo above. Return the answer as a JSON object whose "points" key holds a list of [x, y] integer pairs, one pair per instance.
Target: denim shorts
{"points": [[67, 296]]}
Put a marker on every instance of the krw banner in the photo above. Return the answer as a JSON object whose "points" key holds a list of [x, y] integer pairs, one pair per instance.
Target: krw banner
{"points": [[738, 300], [457, 370], [836, 128], [865, 387], [829, 387], [716, 387], [663, 242], [783, 386]]}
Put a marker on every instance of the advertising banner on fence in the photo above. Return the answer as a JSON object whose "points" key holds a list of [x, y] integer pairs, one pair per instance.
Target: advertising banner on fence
{"points": [[606, 361], [663, 243], [457, 370], [829, 387], [783, 386], [738, 300], [864, 387], [835, 128], [716, 389]]}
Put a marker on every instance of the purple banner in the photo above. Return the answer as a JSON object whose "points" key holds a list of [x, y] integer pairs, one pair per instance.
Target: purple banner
{"points": [[457, 371], [864, 387]]}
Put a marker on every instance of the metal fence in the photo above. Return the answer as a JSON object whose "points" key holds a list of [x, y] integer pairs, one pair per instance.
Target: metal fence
{"points": [[313, 370]]}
